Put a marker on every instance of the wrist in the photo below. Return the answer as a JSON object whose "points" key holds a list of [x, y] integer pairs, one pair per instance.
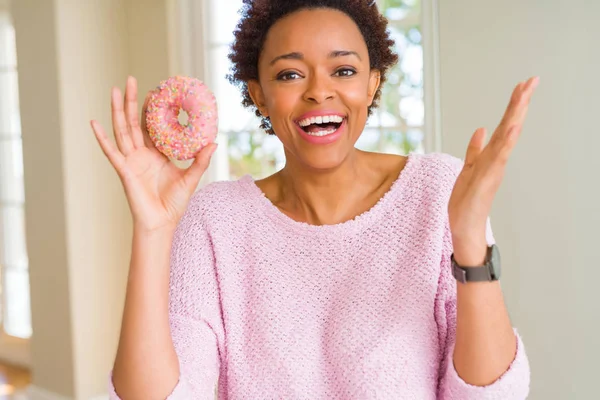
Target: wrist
{"points": [[470, 254], [165, 231]]}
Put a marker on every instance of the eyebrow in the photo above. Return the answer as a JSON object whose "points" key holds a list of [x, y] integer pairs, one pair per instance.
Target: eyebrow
{"points": [[300, 56]]}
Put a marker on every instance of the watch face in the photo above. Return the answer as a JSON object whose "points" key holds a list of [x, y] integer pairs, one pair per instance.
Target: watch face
{"points": [[495, 262]]}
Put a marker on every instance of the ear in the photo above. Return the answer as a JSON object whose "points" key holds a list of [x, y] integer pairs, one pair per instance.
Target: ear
{"points": [[257, 96], [374, 81]]}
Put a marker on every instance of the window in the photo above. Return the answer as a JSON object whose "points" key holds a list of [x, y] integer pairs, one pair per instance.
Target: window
{"points": [[397, 126], [15, 310], [249, 149]]}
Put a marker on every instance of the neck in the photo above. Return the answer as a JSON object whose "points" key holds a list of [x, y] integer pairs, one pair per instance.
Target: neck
{"points": [[326, 196]]}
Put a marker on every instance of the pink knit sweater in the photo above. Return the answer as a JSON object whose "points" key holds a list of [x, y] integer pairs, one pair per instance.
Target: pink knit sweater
{"points": [[365, 309]]}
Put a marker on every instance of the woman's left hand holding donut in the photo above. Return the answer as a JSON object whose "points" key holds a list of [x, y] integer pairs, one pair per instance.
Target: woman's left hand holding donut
{"points": [[471, 199]]}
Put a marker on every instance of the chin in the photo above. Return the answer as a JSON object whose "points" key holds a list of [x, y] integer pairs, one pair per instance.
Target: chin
{"points": [[322, 160]]}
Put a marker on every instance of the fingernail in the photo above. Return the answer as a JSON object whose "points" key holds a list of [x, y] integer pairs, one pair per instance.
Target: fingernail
{"points": [[536, 82]]}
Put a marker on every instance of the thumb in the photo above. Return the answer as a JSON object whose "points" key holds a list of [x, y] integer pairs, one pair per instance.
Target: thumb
{"points": [[196, 170], [475, 146]]}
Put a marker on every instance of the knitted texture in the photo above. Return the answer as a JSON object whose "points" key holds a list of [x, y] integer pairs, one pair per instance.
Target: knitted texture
{"points": [[365, 309]]}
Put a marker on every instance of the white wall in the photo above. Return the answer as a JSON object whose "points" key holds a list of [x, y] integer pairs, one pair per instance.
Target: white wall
{"points": [[89, 33], [547, 215], [70, 53]]}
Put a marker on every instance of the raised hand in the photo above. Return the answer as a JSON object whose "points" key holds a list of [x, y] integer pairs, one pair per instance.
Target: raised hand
{"points": [[158, 192], [483, 171]]}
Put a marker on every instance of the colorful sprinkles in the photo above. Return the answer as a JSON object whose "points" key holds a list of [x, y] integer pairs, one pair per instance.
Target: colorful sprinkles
{"points": [[162, 117]]}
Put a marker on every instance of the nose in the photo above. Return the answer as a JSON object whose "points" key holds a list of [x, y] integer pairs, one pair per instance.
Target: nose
{"points": [[319, 89]]}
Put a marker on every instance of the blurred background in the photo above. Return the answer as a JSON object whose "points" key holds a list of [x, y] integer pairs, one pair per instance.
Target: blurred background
{"points": [[65, 227]]}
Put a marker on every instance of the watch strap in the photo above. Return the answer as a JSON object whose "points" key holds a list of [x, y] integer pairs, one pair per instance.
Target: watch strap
{"points": [[482, 273], [471, 274]]}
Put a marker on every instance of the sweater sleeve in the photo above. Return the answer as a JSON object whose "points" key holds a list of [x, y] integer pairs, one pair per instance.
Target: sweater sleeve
{"points": [[512, 385], [194, 310]]}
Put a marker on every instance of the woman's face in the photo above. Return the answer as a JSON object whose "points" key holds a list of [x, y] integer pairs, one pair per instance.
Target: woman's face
{"points": [[315, 84]]}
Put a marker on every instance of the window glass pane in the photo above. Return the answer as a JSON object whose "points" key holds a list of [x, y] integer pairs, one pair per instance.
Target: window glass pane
{"points": [[223, 20], [414, 139], [391, 141], [369, 140], [232, 115], [12, 235], [375, 119], [412, 110], [17, 312], [8, 57], [10, 123], [14, 282], [401, 112], [11, 171], [255, 153]]}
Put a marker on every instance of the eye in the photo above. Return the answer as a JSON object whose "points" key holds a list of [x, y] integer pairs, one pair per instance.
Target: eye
{"points": [[288, 76], [346, 72]]}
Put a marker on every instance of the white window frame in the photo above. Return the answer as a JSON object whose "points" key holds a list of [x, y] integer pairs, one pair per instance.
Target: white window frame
{"points": [[13, 350], [188, 27], [431, 75]]}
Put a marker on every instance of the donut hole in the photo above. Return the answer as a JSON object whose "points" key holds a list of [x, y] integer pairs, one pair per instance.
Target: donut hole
{"points": [[183, 118]]}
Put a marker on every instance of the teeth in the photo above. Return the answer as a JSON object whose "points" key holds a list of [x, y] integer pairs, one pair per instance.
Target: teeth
{"points": [[322, 133], [320, 120]]}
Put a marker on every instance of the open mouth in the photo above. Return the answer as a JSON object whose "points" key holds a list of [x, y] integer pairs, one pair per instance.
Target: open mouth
{"points": [[321, 126]]}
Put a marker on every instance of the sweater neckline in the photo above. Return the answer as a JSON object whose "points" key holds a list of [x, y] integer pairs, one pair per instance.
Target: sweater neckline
{"points": [[355, 225]]}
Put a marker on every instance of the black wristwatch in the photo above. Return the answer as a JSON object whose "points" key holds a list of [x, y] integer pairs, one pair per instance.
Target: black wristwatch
{"points": [[488, 272]]}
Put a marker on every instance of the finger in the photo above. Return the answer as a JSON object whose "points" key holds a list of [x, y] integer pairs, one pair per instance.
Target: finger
{"points": [[476, 145], [131, 112], [119, 124], [511, 140], [519, 102], [500, 150], [199, 166], [522, 103], [512, 107], [108, 148], [515, 113]]}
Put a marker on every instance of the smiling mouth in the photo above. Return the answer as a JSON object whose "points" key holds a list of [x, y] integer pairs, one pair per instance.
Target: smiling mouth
{"points": [[321, 129]]}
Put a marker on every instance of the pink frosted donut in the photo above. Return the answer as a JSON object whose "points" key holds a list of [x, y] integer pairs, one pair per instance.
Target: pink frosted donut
{"points": [[172, 138]]}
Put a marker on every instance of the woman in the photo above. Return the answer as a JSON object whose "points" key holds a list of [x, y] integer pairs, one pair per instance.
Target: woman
{"points": [[332, 278]]}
